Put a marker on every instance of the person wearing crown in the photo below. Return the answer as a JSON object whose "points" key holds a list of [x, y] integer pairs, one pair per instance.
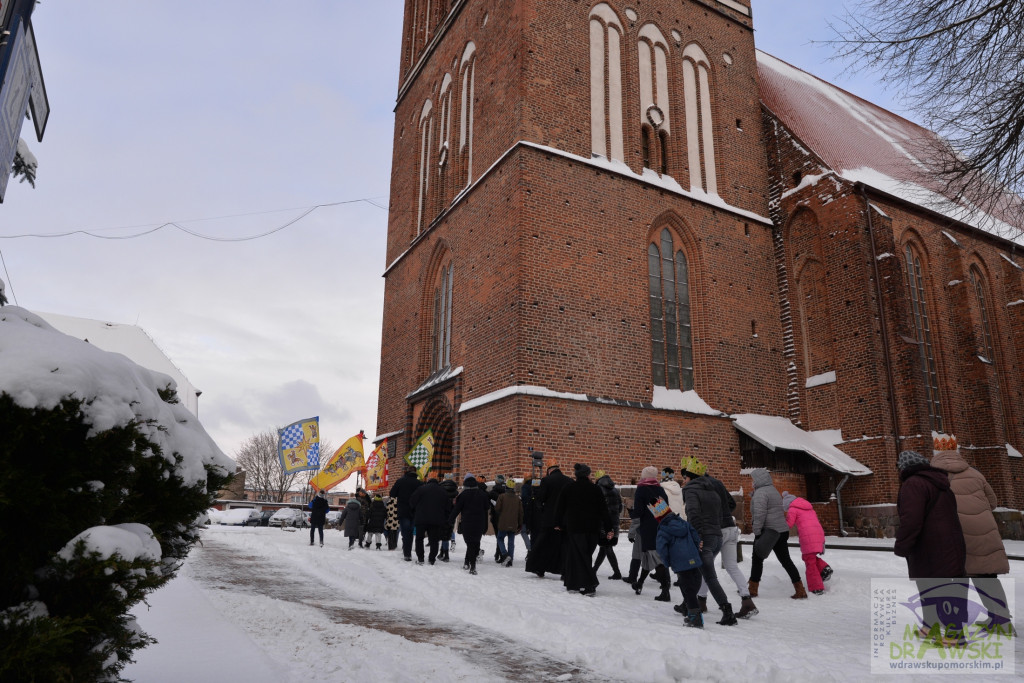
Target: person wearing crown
{"points": [[678, 545]]}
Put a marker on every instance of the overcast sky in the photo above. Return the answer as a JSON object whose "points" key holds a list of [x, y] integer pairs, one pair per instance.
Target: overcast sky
{"points": [[233, 118]]}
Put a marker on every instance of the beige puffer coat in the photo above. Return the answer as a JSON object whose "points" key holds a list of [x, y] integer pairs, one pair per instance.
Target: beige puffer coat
{"points": [[975, 501]]}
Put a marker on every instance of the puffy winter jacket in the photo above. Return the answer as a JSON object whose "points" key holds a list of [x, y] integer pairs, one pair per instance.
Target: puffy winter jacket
{"points": [[703, 507], [801, 514], [675, 497], [975, 501], [378, 516], [929, 535], [766, 505], [352, 518], [678, 543]]}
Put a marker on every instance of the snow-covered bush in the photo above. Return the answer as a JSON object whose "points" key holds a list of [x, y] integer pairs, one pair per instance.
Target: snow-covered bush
{"points": [[104, 481]]}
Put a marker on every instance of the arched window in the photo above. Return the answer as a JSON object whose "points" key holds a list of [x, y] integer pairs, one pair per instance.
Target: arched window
{"points": [[606, 83], [989, 346], [441, 332], [922, 326], [426, 128], [815, 322], [669, 295], [443, 141], [700, 131], [652, 51], [468, 70]]}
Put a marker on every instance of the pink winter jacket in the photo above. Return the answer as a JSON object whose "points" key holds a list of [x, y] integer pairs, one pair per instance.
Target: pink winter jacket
{"points": [[801, 515]]}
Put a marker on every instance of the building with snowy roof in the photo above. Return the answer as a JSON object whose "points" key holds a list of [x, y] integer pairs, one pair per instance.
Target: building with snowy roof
{"points": [[621, 235], [131, 341]]}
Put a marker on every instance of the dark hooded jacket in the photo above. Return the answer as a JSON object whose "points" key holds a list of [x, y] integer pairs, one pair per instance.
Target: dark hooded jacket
{"points": [[378, 516], [613, 504], [474, 505], [351, 518], [929, 535], [703, 506], [430, 505], [402, 491], [645, 495], [319, 507], [678, 544]]}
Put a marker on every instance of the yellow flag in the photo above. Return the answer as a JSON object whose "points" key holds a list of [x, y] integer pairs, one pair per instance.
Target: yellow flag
{"points": [[345, 461]]}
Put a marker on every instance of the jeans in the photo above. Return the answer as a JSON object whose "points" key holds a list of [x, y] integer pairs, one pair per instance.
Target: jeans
{"points": [[525, 534], [511, 536], [730, 538], [710, 548], [314, 527], [405, 527]]}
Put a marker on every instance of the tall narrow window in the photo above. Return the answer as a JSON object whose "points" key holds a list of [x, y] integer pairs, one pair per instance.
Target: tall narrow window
{"points": [[922, 326], [606, 83], [669, 296], [441, 333], [443, 141], [426, 127], [468, 70], [700, 131], [652, 50], [989, 347]]}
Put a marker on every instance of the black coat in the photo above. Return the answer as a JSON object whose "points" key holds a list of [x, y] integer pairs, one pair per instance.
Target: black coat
{"points": [[703, 507], [582, 508], [929, 535], [319, 507], [378, 517], [728, 502], [613, 504], [430, 505], [402, 491], [526, 495], [546, 496], [648, 532], [474, 505]]}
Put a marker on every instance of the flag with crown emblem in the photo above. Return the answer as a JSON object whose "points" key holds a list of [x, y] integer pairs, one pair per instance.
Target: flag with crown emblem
{"points": [[298, 446], [421, 455]]}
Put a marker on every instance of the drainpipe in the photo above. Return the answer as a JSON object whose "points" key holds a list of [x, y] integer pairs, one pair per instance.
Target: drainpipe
{"points": [[884, 328], [839, 506]]}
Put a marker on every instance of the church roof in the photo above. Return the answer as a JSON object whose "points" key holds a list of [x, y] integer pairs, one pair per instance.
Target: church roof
{"points": [[861, 141]]}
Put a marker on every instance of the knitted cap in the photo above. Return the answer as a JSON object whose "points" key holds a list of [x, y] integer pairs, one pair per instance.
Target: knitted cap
{"points": [[909, 458], [581, 470], [649, 472]]}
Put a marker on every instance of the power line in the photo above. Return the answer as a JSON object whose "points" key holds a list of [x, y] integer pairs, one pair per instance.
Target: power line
{"points": [[178, 224], [7, 278]]}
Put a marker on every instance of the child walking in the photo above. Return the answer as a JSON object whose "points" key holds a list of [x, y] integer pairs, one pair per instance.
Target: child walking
{"points": [[800, 513], [678, 545]]}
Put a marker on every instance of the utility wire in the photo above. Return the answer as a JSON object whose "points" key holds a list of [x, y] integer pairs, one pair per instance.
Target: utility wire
{"points": [[7, 278], [177, 224]]}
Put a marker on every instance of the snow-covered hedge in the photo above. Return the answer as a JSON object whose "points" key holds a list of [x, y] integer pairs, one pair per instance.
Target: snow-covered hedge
{"points": [[104, 481]]}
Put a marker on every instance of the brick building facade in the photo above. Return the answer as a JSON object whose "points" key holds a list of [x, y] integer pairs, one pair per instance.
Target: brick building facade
{"points": [[603, 245]]}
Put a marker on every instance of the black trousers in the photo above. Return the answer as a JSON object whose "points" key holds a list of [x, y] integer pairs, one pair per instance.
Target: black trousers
{"points": [[433, 534]]}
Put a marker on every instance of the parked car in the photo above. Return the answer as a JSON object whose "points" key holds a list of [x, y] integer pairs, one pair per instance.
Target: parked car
{"points": [[240, 517], [288, 517], [213, 516], [332, 519], [265, 517]]}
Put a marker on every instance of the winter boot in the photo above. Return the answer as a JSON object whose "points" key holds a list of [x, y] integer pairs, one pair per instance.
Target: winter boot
{"points": [[378, 546], [638, 586], [703, 603], [663, 577], [800, 593], [634, 569], [747, 608], [826, 573], [694, 619], [728, 618], [752, 587]]}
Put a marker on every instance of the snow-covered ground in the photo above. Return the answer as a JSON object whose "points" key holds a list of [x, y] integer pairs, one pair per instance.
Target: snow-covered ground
{"points": [[262, 606]]}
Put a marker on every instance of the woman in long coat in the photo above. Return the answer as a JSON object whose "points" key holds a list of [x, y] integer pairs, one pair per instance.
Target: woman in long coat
{"points": [[648, 490], [352, 519], [474, 506], [585, 518]]}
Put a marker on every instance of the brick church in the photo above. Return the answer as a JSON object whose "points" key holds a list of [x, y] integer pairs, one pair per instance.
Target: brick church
{"points": [[621, 235]]}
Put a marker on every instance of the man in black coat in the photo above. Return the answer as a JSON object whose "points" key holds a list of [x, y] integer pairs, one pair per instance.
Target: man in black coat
{"points": [[546, 555], [318, 516], [402, 491], [430, 506], [582, 508], [452, 489], [474, 505], [931, 539]]}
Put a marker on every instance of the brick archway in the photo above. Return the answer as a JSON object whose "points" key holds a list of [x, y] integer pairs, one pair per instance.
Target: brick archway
{"points": [[437, 417]]}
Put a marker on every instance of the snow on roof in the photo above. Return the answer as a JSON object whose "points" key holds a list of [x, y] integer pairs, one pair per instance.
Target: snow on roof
{"points": [[863, 142], [130, 341], [778, 432]]}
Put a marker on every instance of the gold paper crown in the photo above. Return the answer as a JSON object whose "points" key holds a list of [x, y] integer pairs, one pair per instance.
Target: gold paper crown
{"points": [[944, 442], [693, 466]]}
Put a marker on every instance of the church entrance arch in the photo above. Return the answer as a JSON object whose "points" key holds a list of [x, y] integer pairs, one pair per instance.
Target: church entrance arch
{"points": [[437, 416]]}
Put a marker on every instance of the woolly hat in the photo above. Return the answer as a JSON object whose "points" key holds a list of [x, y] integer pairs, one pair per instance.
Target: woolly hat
{"points": [[499, 479], [581, 470], [321, 493], [910, 458], [659, 509], [787, 500], [692, 467], [649, 472]]}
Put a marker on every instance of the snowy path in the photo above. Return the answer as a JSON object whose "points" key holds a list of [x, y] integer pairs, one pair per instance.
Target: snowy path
{"points": [[271, 609]]}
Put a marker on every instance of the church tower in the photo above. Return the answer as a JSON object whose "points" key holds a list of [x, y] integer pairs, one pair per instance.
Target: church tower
{"points": [[580, 255]]}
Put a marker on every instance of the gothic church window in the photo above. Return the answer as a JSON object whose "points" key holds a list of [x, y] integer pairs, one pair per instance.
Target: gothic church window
{"points": [[922, 327], [467, 69], [443, 140], [988, 347], [669, 297], [426, 128], [700, 131], [652, 50], [441, 332], [606, 83]]}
